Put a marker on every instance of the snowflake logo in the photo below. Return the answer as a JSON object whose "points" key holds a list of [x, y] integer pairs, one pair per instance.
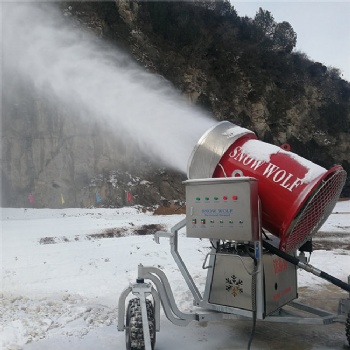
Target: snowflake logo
{"points": [[234, 285]]}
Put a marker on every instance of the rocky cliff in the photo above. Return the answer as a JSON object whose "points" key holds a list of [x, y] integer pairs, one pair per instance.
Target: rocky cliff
{"points": [[210, 55]]}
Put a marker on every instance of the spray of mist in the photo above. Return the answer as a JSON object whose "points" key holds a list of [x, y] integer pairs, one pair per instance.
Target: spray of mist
{"points": [[82, 72]]}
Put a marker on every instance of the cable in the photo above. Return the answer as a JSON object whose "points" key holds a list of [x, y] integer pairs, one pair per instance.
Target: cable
{"points": [[254, 277], [266, 236], [251, 255], [212, 244], [223, 170], [253, 330], [254, 274]]}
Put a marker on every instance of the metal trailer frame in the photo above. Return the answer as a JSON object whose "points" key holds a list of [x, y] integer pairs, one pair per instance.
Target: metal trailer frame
{"points": [[162, 294]]}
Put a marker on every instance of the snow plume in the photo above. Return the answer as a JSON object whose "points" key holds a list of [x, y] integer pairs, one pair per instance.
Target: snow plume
{"points": [[83, 73]]}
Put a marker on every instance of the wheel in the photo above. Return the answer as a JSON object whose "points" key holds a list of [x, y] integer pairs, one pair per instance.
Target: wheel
{"points": [[133, 328], [347, 328]]}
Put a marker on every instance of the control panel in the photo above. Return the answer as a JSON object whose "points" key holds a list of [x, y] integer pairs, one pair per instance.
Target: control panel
{"points": [[222, 208]]}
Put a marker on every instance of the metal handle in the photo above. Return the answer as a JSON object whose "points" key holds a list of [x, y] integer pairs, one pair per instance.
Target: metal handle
{"points": [[159, 234]]}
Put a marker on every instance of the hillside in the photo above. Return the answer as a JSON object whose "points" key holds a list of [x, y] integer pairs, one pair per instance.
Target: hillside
{"points": [[234, 68]]}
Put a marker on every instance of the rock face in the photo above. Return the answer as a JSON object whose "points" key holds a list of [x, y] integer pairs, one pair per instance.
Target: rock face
{"points": [[53, 155]]}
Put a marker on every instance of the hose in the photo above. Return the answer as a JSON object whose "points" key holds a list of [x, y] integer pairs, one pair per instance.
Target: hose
{"points": [[307, 267]]}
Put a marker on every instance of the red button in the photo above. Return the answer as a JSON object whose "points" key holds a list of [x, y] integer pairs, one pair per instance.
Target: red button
{"points": [[224, 198], [234, 198]]}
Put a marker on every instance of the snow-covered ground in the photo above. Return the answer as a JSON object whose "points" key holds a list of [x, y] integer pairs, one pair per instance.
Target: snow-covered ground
{"points": [[63, 271]]}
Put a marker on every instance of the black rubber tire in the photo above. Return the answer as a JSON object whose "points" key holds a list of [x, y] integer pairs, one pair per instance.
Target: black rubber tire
{"points": [[347, 328], [133, 326]]}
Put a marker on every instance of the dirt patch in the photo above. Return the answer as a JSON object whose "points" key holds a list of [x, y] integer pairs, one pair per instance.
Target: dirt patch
{"points": [[330, 245], [326, 298], [169, 210], [47, 240], [143, 230], [331, 240], [148, 229], [108, 233]]}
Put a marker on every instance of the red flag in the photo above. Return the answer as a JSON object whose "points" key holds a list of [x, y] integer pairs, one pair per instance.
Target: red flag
{"points": [[129, 197], [31, 199]]}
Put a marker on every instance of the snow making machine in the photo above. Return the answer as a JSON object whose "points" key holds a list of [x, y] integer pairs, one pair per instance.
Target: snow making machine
{"points": [[259, 206]]}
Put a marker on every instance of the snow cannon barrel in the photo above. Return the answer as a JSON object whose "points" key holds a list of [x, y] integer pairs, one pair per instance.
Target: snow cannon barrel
{"points": [[296, 195]]}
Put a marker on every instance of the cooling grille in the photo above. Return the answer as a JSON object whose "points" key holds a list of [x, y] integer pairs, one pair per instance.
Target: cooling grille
{"points": [[315, 212]]}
